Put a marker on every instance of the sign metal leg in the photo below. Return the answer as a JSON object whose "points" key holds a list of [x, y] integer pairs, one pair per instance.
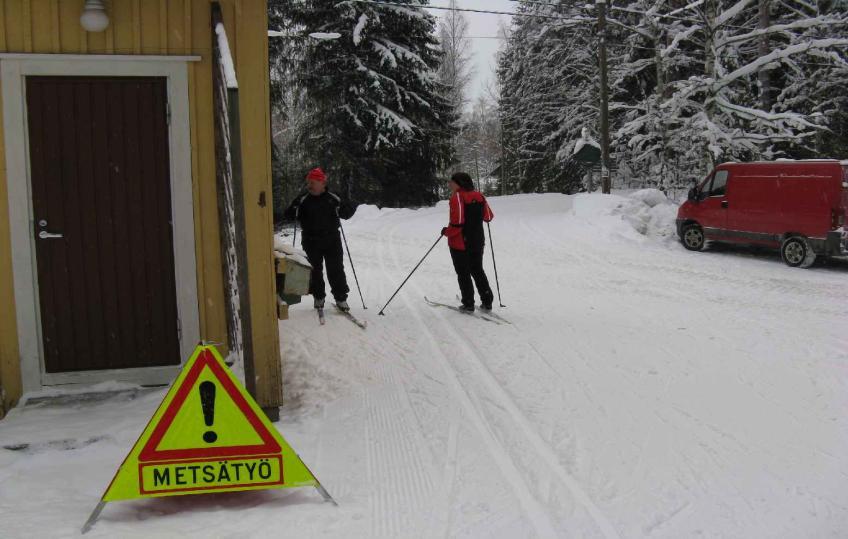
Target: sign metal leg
{"points": [[93, 518], [325, 494]]}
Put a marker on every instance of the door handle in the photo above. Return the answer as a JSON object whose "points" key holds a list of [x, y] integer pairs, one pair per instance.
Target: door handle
{"points": [[48, 236], [724, 204]]}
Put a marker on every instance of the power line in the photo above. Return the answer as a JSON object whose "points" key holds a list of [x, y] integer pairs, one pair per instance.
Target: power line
{"points": [[468, 10], [590, 20], [636, 12]]}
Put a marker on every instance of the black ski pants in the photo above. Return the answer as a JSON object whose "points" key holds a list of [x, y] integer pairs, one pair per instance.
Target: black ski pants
{"points": [[469, 264], [321, 250]]}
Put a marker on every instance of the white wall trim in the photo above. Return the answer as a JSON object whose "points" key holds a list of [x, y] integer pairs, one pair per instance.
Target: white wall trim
{"points": [[13, 70], [98, 57]]}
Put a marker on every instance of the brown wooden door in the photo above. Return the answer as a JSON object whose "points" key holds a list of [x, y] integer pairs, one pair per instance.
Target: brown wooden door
{"points": [[101, 198]]}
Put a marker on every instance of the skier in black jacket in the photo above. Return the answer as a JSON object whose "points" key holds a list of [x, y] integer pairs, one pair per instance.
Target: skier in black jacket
{"points": [[318, 212]]}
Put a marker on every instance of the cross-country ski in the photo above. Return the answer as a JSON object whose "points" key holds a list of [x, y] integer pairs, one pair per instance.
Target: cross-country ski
{"points": [[347, 314], [477, 313]]}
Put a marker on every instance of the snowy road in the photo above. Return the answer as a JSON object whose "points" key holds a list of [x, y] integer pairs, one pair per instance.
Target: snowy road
{"points": [[640, 391]]}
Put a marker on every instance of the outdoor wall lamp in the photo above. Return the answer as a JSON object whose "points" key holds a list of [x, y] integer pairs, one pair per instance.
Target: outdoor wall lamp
{"points": [[94, 17]]}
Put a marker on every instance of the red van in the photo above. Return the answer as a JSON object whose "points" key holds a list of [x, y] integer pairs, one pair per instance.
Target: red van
{"points": [[797, 206]]}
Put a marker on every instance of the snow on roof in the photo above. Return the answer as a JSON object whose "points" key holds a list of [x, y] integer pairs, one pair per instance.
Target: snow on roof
{"points": [[582, 142], [226, 57]]}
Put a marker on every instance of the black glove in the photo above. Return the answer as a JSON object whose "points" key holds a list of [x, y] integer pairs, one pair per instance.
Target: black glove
{"points": [[444, 231]]}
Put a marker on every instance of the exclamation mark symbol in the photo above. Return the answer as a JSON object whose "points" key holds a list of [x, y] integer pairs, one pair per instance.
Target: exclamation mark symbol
{"points": [[207, 403]]}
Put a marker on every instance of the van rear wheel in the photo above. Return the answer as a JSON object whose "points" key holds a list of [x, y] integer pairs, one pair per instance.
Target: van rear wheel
{"points": [[693, 237], [797, 252]]}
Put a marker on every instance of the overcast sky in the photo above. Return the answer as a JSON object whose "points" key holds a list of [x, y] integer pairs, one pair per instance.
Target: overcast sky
{"points": [[481, 25]]}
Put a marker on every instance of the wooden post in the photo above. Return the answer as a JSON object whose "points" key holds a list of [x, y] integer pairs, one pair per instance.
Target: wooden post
{"points": [[231, 215]]}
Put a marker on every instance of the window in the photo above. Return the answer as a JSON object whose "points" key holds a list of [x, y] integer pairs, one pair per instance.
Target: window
{"points": [[719, 184]]}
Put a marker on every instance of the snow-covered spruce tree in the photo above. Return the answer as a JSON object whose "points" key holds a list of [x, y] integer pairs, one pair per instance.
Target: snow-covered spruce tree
{"points": [[716, 81], [381, 124], [814, 83], [548, 78], [289, 106], [640, 75]]}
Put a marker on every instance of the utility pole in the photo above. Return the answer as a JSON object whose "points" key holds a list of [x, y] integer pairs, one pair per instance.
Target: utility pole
{"points": [[601, 6]]}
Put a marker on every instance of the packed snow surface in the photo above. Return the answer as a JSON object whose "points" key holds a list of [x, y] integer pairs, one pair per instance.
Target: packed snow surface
{"points": [[641, 391]]}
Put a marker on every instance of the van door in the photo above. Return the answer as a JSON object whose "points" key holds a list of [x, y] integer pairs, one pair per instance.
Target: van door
{"points": [[712, 208], [753, 199]]}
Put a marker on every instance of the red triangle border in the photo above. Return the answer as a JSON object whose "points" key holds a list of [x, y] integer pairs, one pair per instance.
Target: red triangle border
{"points": [[149, 453]]}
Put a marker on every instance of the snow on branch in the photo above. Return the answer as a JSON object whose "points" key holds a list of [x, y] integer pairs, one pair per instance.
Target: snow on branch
{"points": [[385, 53], [777, 28], [357, 30], [779, 54], [797, 120], [641, 31], [732, 12], [678, 37], [395, 120], [687, 7]]}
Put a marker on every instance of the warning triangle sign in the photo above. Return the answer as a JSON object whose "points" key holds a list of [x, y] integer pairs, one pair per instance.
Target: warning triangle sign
{"points": [[208, 417], [208, 435]]}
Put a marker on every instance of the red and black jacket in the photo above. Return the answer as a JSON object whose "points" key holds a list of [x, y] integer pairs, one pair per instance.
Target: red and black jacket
{"points": [[468, 211]]}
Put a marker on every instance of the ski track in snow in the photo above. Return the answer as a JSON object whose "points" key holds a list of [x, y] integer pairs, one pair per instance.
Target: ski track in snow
{"points": [[543, 525], [640, 391]]}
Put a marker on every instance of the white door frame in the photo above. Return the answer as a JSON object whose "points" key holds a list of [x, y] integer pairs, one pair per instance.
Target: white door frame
{"points": [[14, 68]]}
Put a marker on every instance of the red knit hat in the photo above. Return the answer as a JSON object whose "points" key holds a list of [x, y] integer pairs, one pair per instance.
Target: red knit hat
{"points": [[317, 174]]}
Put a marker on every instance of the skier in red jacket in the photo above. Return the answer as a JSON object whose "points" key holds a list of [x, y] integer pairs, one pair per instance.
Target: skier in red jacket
{"points": [[468, 211]]}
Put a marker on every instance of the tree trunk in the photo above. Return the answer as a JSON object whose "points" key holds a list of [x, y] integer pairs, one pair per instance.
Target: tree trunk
{"points": [[764, 47]]}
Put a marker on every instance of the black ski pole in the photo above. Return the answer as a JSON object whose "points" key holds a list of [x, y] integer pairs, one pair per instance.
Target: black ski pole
{"points": [[294, 238], [355, 278], [410, 275], [492, 246]]}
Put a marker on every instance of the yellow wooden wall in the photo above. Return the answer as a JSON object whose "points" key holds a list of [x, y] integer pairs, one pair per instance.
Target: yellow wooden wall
{"points": [[173, 27]]}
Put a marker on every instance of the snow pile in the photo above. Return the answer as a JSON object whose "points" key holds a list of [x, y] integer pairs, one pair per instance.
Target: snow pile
{"points": [[650, 214], [645, 215], [366, 212]]}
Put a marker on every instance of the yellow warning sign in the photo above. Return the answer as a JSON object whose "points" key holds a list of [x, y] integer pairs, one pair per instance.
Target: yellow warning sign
{"points": [[208, 435]]}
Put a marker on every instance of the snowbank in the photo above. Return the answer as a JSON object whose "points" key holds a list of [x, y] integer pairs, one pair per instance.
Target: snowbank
{"points": [[365, 212], [650, 214]]}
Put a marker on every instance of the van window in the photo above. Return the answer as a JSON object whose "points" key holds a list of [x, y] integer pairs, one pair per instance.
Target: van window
{"points": [[719, 184]]}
